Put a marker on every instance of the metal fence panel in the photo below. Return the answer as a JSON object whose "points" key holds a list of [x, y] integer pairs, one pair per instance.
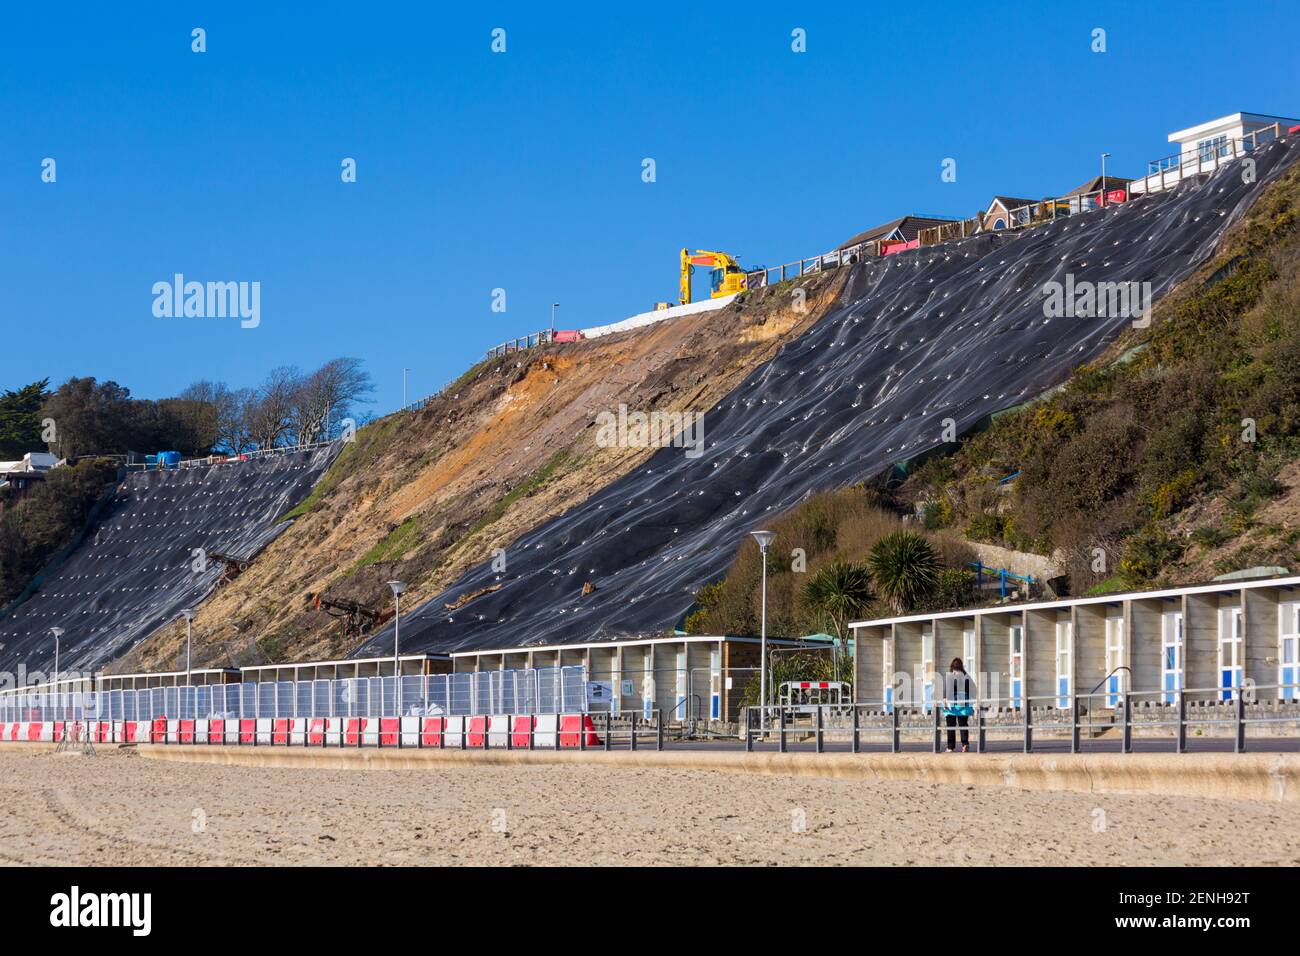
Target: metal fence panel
{"points": [[524, 691]]}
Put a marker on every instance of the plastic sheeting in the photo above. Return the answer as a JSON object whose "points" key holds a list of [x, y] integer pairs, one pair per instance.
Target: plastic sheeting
{"points": [[953, 331], [956, 330], [135, 568], [658, 315]]}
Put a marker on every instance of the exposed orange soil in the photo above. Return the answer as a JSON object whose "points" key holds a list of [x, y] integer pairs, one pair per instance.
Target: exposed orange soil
{"points": [[449, 468]]}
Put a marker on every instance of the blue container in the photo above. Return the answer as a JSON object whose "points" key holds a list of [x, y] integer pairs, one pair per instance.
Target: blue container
{"points": [[169, 459]]}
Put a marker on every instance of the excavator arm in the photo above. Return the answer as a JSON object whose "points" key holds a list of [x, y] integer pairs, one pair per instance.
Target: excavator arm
{"points": [[728, 276]]}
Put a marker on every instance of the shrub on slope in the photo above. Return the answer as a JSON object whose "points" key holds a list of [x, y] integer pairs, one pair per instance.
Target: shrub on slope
{"points": [[36, 528], [1138, 469], [828, 528]]}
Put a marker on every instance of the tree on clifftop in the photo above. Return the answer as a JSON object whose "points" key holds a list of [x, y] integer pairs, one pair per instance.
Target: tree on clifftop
{"points": [[20, 420]]}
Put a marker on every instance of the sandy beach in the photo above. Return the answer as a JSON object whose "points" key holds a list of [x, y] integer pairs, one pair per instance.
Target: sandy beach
{"points": [[122, 808]]}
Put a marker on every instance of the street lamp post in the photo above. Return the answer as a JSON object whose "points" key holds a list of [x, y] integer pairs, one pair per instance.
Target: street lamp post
{"points": [[404, 402], [1103, 173], [764, 539], [554, 306], [399, 587], [188, 614], [54, 681], [58, 633]]}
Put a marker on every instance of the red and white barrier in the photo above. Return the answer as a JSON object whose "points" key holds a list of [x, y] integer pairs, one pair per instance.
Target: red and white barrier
{"points": [[334, 731], [544, 734], [520, 732], [431, 730], [572, 726], [496, 731], [411, 731], [454, 733], [316, 732], [476, 732]]}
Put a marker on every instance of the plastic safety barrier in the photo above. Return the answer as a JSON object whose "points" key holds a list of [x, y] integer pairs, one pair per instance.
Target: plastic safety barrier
{"points": [[494, 731], [573, 726], [521, 732]]}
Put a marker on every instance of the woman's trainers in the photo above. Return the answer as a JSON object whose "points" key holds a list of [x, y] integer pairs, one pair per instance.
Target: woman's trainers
{"points": [[965, 749]]}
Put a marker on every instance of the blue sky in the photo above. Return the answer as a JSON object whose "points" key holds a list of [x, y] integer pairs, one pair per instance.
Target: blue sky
{"points": [[522, 170]]}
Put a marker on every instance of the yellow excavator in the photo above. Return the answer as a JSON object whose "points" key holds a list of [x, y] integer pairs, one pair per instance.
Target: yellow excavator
{"points": [[726, 276]]}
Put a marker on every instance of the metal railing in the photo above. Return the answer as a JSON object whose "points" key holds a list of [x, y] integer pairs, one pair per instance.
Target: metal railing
{"points": [[1171, 170], [1001, 576], [530, 341], [253, 455], [759, 278], [1178, 714], [1020, 217]]}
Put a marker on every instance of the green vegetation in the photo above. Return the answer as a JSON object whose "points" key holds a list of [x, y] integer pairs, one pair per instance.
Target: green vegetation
{"points": [[34, 529], [818, 573], [272, 648], [839, 592], [1121, 461], [339, 469], [532, 485], [20, 420], [394, 545], [905, 569]]}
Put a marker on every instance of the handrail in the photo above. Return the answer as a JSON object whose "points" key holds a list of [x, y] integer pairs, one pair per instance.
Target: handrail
{"points": [[223, 459], [1020, 217], [1235, 147], [779, 720], [1002, 573], [512, 345], [1088, 696]]}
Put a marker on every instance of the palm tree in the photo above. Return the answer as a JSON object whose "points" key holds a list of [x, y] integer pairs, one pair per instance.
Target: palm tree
{"points": [[905, 568], [839, 592]]}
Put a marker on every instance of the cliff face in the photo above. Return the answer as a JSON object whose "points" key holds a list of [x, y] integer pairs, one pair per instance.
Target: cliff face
{"points": [[146, 556], [514, 524], [424, 496], [921, 345], [1176, 456]]}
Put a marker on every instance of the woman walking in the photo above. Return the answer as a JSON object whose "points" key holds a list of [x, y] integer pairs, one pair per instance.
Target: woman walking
{"points": [[958, 692]]}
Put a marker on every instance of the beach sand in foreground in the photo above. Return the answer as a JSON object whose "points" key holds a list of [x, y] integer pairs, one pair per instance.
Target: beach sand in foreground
{"points": [[118, 808]]}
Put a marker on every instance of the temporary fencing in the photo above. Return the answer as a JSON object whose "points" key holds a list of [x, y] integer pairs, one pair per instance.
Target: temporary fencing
{"points": [[519, 709], [548, 690]]}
